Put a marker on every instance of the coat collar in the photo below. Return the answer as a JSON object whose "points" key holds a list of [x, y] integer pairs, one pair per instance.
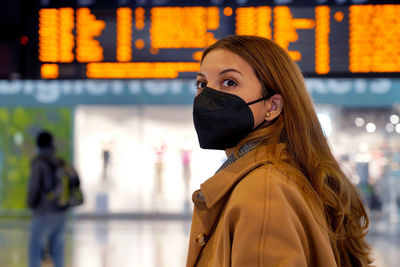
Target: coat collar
{"points": [[219, 185]]}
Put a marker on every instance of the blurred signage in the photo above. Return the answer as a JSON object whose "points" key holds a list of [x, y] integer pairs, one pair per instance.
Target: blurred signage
{"points": [[359, 92], [144, 40]]}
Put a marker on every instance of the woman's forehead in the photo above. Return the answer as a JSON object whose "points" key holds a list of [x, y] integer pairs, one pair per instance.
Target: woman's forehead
{"points": [[219, 60]]}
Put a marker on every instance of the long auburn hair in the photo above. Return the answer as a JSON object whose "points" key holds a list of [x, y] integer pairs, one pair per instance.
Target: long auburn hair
{"points": [[312, 161]]}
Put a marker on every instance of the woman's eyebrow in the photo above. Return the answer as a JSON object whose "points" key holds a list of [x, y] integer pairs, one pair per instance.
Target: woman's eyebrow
{"points": [[200, 74], [229, 70]]}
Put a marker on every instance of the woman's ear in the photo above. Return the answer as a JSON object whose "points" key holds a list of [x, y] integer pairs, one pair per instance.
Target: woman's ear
{"points": [[275, 107]]}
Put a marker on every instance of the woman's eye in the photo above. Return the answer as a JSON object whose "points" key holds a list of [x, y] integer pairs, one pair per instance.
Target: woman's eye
{"points": [[229, 83], [200, 85]]}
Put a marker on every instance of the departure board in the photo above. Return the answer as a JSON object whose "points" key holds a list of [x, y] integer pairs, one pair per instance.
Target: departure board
{"points": [[141, 42]]}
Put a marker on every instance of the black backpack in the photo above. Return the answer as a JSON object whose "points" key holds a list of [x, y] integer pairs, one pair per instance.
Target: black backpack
{"points": [[66, 191]]}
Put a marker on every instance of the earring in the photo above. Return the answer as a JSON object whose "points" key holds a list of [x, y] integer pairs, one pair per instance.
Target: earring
{"points": [[267, 115]]}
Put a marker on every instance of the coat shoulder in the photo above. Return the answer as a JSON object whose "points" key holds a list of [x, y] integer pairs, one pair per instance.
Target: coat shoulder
{"points": [[268, 193], [264, 182]]}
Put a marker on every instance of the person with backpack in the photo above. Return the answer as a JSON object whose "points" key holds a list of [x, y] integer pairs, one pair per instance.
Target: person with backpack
{"points": [[53, 187]]}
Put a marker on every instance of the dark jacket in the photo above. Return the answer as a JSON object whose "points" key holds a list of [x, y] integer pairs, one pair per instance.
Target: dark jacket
{"points": [[42, 181]]}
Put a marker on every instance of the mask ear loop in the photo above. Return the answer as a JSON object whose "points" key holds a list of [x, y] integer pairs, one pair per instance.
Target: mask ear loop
{"points": [[258, 100], [262, 98]]}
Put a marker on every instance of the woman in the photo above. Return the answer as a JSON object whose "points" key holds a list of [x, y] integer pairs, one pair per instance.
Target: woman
{"points": [[281, 198]]}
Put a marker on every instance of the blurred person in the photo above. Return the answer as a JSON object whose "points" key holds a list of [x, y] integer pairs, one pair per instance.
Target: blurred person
{"points": [[106, 162], [159, 167], [280, 199], [159, 150], [49, 209]]}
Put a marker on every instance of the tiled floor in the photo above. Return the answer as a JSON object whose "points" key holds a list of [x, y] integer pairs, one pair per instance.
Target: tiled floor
{"points": [[127, 243]]}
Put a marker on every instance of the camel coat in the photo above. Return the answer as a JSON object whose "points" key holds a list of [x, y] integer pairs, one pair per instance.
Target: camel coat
{"points": [[251, 214]]}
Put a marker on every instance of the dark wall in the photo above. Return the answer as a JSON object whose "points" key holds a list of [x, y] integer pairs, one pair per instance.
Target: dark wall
{"points": [[17, 19]]}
